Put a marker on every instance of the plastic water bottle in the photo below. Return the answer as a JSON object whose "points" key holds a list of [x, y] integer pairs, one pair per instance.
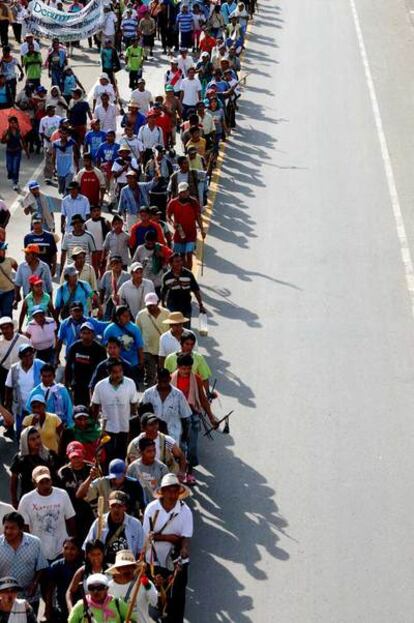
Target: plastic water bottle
{"points": [[203, 324]]}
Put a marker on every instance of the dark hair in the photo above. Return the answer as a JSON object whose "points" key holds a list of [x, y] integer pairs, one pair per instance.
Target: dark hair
{"points": [[193, 118], [118, 311], [112, 363], [145, 407], [150, 236], [163, 373], [181, 159], [48, 368], [188, 335], [184, 359], [114, 340], [14, 517], [145, 443], [174, 256], [194, 129], [75, 541], [89, 547]]}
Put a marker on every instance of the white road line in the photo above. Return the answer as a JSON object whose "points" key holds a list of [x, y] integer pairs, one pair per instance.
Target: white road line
{"points": [[389, 173]]}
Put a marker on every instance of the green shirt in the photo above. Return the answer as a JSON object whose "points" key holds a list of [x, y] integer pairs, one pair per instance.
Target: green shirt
{"points": [[134, 57], [77, 613], [200, 366], [33, 65]]}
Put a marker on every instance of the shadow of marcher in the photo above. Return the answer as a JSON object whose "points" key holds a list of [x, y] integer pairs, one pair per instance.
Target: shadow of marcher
{"points": [[235, 516]]}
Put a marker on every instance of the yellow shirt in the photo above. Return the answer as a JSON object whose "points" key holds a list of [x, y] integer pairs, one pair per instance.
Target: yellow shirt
{"points": [[48, 433], [200, 146], [152, 328], [6, 282]]}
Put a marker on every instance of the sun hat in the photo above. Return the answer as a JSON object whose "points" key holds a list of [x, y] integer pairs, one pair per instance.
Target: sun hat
{"points": [[41, 472], [151, 299], [175, 318], [6, 320], [124, 558], [8, 583], [171, 480], [97, 579]]}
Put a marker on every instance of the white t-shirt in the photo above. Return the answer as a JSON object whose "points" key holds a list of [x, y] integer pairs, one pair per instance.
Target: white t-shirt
{"points": [[145, 598], [142, 98], [46, 517], [181, 524], [184, 64], [168, 344], [116, 403], [191, 89], [25, 380], [95, 229], [107, 117], [13, 356], [109, 24], [107, 88], [47, 126]]}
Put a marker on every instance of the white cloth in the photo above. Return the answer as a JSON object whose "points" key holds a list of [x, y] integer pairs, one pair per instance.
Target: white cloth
{"points": [[142, 98], [115, 402], [47, 126], [148, 138], [109, 24], [13, 356], [168, 344], [174, 409], [145, 598], [42, 337], [46, 517], [181, 523], [107, 116], [184, 64], [191, 90], [95, 229], [25, 381], [134, 296], [107, 88], [18, 613]]}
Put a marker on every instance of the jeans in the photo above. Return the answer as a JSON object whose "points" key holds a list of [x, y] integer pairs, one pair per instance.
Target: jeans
{"points": [[150, 367], [63, 182], [13, 159], [6, 303], [192, 445]]}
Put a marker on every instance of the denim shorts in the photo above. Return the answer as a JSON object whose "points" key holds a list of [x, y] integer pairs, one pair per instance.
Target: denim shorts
{"points": [[184, 247]]}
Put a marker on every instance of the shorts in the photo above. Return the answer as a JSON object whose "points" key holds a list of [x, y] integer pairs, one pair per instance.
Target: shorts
{"points": [[184, 247]]}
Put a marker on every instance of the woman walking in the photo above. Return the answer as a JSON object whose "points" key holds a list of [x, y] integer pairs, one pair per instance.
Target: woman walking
{"points": [[15, 145]]}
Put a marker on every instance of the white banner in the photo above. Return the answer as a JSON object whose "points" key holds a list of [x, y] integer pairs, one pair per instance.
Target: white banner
{"points": [[44, 21]]}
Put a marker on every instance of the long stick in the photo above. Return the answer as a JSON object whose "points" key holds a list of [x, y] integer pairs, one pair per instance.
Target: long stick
{"points": [[101, 503], [202, 257], [218, 423], [137, 584]]}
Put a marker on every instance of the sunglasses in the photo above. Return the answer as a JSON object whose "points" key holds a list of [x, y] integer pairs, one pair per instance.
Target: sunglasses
{"points": [[99, 587]]}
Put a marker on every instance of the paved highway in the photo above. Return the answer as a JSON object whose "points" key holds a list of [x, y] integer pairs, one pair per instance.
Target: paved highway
{"points": [[305, 510]]}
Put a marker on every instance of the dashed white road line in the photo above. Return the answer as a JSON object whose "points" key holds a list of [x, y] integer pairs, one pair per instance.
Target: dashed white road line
{"points": [[389, 173]]}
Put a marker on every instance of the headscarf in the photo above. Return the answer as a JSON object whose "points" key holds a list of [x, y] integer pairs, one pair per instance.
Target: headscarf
{"points": [[90, 434], [24, 443]]}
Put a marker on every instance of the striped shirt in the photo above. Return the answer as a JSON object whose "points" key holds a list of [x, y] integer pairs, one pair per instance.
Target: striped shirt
{"points": [[85, 241], [185, 21]]}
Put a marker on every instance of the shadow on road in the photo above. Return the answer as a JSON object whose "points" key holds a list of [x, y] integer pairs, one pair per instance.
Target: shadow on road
{"points": [[233, 538]]}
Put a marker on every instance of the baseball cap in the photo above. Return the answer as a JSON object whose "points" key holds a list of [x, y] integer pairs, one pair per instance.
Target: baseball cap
{"points": [[76, 305], [151, 299], [70, 271], [87, 325], [135, 266], [182, 187], [32, 184], [116, 468], [79, 411], [32, 248], [38, 398], [24, 347], [41, 472], [104, 76], [6, 320], [38, 309], [147, 418], [118, 497], [97, 579], [78, 251]]}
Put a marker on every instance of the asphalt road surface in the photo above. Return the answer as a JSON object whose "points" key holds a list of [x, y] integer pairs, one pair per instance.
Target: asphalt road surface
{"points": [[305, 512]]}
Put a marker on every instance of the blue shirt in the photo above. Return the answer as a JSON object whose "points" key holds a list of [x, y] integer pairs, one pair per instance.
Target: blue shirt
{"points": [[83, 293], [24, 271], [22, 563], [130, 337], [69, 329], [107, 152], [58, 401], [64, 157], [93, 140], [185, 21]]}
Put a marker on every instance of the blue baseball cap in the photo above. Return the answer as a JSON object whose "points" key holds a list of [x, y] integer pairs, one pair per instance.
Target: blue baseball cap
{"points": [[38, 309], [117, 468], [33, 184]]}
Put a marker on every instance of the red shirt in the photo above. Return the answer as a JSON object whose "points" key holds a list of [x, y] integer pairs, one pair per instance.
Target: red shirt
{"points": [[90, 187], [184, 214], [138, 231], [164, 122], [206, 43]]}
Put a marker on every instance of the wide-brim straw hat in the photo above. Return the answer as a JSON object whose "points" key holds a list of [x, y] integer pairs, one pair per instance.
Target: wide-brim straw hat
{"points": [[124, 558], [175, 318], [171, 480]]}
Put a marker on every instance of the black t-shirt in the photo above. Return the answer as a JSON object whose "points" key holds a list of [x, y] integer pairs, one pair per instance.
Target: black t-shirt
{"points": [[101, 372], [23, 466], [82, 361], [176, 290], [78, 113], [46, 242], [115, 540], [61, 573], [70, 480]]}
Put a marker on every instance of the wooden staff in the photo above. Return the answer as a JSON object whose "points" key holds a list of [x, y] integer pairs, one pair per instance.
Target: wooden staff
{"points": [[101, 505], [137, 585]]}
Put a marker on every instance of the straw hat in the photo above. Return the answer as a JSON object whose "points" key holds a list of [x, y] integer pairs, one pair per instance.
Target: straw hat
{"points": [[175, 318], [171, 480], [124, 558]]}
